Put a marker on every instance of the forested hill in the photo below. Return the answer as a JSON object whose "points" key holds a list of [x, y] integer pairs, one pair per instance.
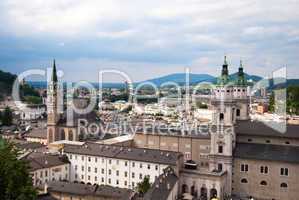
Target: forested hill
{"points": [[6, 81], [27, 92]]}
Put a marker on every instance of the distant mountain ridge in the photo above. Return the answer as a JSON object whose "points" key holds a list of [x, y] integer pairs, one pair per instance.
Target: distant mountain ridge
{"points": [[180, 78]]}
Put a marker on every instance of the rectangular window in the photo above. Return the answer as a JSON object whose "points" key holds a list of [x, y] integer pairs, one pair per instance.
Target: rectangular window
{"points": [[117, 173], [140, 165], [264, 169], [95, 170], [140, 176], [95, 160], [82, 168], [109, 171], [89, 159], [133, 175], [110, 161], [284, 171], [103, 171], [88, 169], [126, 174], [103, 180], [244, 167], [148, 166], [220, 149], [157, 167], [126, 163]]}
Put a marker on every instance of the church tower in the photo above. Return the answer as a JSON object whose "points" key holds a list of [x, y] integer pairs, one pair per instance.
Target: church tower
{"points": [[52, 107], [223, 137], [241, 95]]}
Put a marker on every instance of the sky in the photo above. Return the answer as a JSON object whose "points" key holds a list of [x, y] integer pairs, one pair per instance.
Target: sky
{"points": [[147, 39]]}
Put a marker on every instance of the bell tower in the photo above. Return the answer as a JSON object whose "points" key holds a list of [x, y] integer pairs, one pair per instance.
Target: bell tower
{"points": [[241, 95], [52, 106], [223, 137]]}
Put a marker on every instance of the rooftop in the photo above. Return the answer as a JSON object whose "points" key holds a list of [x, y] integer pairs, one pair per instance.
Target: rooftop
{"points": [[45, 161], [90, 190], [162, 186], [126, 153], [257, 128], [38, 133], [268, 152]]}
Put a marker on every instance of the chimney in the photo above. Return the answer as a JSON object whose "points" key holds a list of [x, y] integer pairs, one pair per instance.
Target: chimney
{"points": [[168, 186]]}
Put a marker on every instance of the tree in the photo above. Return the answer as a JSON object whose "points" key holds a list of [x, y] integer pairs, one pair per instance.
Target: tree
{"points": [[7, 117], [272, 103], [143, 186], [15, 182]]}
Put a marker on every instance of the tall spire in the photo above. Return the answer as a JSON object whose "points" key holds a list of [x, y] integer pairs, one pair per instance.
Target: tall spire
{"points": [[225, 62], [224, 78], [241, 76], [54, 72]]}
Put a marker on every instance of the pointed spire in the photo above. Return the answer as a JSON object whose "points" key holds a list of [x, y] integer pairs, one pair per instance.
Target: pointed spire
{"points": [[225, 62], [54, 72], [241, 64]]}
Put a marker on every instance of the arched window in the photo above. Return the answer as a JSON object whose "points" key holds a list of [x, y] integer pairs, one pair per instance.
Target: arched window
{"points": [[244, 180], [283, 185], [62, 134], [263, 183], [71, 137]]}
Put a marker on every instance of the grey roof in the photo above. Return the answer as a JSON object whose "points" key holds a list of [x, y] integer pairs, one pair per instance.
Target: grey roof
{"points": [[269, 152], [127, 153], [46, 161], [90, 117], [30, 145], [162, 186], [90, 190], [256, 128], [38, 133]]}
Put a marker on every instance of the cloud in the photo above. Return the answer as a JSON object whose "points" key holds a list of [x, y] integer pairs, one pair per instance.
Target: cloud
{"points": [[164, 36]]}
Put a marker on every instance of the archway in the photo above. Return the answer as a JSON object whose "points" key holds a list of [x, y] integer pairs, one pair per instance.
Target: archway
{"points": [[184, 188], [62, 134], [203, 193], [193, 191], [213, 193]]}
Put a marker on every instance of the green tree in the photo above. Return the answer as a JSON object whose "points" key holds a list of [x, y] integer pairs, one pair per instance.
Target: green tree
{"points": [[7, 117], [143, 186], [271, 103], [15, 182]]}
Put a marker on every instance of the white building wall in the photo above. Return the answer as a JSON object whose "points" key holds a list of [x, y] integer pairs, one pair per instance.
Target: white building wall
{"points": [[42, 176], [111, 171]]}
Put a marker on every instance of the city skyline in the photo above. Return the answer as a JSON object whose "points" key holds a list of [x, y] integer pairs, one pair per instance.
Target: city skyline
{"points": [[147, 40]]}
